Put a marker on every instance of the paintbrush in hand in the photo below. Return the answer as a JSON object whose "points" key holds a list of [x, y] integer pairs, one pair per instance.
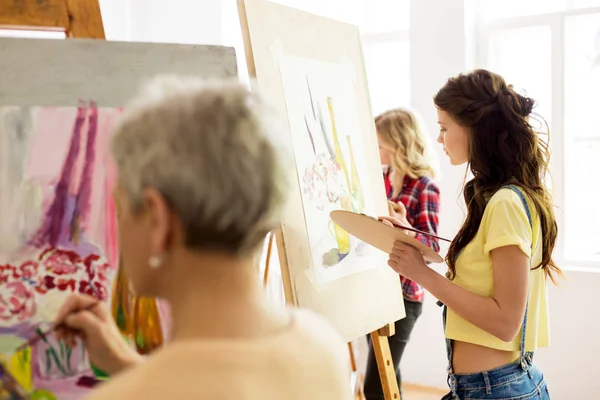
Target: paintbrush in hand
{"points": [[406, 228], [40, 335]]}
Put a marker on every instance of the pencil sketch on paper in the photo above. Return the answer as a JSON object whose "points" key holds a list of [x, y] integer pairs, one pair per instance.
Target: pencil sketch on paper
{"points": [[323, 120], [57, 235]]}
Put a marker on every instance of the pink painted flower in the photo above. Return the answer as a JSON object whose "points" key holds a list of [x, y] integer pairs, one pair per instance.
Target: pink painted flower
{"points": [[17, 302], [323, 181], [60, 262], [28, 270], [98, 289], [7, 273], [95, 265], [55, 270]]}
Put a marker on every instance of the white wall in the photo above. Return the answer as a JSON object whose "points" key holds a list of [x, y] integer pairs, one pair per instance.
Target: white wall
{"points": [[441, 46], [437, 51], [167, 21]]}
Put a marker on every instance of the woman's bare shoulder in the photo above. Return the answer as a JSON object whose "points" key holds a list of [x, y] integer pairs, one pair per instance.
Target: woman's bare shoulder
{"points": [[198, 366]]}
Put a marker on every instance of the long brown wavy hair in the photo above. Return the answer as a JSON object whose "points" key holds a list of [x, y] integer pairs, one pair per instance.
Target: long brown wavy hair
{"points": [[504, 149]]}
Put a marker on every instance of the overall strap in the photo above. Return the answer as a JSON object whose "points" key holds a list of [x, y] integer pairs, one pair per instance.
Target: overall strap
{"points": [[524, 329]]}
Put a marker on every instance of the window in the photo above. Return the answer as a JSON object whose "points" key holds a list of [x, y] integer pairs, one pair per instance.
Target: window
{"points": [[502, 9], [582, 134], [553, 51], [40, 34], [519, 62], [388, 73], [386, 47], [383, 16]]}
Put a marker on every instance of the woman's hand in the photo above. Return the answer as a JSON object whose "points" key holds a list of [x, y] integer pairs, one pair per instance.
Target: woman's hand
{"points": [[397, 217], [106, 348], [407, 261]]}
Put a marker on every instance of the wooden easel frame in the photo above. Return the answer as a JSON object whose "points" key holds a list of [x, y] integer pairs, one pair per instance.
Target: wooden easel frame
{"points": [[76, 18], [380, 344]]}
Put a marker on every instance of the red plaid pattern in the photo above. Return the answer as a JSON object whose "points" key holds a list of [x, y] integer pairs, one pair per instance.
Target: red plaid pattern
{"points": [[421, 197]]}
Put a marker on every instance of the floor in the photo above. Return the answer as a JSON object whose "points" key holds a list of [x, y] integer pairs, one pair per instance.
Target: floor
{"points": [[413, 392], [417, 392], [420, 396]]}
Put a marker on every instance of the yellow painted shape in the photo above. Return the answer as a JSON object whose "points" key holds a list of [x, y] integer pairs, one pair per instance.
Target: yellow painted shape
{"points": [[19, 363]]}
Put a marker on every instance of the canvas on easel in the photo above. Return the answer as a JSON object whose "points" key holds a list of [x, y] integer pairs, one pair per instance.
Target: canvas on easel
{"points": [[59, 102], [313, 69]]}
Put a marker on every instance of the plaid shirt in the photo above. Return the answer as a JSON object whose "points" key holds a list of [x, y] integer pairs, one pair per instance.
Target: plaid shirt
{"points": [[421, 197]]}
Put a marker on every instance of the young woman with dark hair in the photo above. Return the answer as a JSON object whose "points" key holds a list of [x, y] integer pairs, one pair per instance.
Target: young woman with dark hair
{"points": [[495, 291]]}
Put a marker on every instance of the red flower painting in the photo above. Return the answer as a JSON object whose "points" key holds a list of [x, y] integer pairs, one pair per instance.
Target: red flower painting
{"points": [[55, 269], [65, 270], [17, 301]]}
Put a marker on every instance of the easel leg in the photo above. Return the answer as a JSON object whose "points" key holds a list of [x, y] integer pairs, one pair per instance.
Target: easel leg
{"points": [[385, 365], [356, 383]]}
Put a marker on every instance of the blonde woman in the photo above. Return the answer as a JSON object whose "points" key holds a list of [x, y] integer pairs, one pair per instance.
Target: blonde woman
{"points": [[413, 200], [200, 183]]}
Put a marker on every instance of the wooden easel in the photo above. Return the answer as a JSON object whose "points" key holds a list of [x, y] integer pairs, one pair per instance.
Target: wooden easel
{"points": [[77, 18], [380, 344]]}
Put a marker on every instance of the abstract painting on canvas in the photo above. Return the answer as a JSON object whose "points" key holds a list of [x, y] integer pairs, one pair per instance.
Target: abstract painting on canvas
{"points": [[57, 235]]}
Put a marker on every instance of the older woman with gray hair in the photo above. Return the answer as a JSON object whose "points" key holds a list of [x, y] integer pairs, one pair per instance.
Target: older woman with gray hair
{"points": [[200, 183]]}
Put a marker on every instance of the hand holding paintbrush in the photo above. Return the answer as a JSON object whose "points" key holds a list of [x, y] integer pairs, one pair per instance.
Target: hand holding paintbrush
{"points": [[397, 217], [88, 319], [56, 327]]}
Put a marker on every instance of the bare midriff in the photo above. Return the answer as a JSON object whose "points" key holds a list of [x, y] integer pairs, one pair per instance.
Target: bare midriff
{"points": [[469, 358]]}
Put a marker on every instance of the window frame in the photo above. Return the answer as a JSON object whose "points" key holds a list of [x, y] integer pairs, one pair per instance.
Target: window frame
{"points": [[558, 139]]}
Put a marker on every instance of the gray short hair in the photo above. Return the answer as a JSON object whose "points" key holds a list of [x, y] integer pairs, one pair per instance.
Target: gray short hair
{"points": [[210, 149]]}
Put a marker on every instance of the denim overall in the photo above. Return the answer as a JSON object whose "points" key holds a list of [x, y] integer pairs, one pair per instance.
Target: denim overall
{"points": [[520, 380]]}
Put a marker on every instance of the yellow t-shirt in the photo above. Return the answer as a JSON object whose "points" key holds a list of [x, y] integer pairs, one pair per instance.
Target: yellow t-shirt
{"points": [[504, 223], [307, 361]]}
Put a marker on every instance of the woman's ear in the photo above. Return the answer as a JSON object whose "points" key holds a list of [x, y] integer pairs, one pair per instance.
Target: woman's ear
{"points": [[159, 220]]}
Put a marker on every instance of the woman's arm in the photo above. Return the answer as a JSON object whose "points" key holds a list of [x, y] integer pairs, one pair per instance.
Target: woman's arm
{"points": [[508, 238], [500, 315]]}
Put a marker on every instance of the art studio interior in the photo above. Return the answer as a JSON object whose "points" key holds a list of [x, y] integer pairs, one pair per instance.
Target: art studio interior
{"points": [[417, 199]]}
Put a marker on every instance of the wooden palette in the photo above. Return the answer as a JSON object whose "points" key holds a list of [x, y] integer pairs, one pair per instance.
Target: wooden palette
{"points": [[379, 235]]}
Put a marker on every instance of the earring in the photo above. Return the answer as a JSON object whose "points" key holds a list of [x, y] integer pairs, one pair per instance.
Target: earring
{"points": [[155, 262]]}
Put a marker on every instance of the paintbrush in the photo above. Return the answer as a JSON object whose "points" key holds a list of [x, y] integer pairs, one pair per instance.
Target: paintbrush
{"points": [[406, 228], [42, 334], [8, 380]]}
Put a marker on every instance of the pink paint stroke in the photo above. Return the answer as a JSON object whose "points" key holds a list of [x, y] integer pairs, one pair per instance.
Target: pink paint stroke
{"points": [[50, 231], [84, 194]]}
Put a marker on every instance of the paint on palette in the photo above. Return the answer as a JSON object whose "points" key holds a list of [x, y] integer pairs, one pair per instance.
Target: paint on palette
{"points": [[57, 235]]}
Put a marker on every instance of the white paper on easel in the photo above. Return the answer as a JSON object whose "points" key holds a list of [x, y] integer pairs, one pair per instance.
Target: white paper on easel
{"points": [[276, 50], [330, 166]]}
